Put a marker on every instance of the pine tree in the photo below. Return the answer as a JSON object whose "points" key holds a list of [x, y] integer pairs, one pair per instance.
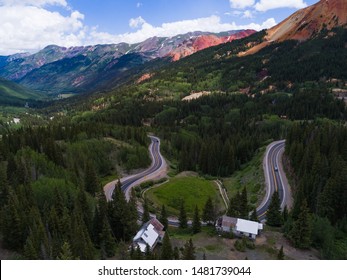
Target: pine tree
{"points": [[13, 225], [274, 215], [30, 252], [107, 242], [196, 221], [166, 248], [133, 216], [148, 253], [163, 217], [66, 253], [301, 231], [254, 216], [118, 213], [176, 254], [285, 214], [81, 244], [138, 254], [4, 188], [91, 184], [145, 216], [209, 213], [244, 204], [123, 250], [280, 255], [132, 252], [183, 216], [189, 251]]}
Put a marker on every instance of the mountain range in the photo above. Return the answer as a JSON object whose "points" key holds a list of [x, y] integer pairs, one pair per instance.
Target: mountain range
{"points": [[55, 69]]}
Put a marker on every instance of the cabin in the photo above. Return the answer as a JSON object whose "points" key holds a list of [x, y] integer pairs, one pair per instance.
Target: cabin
{"points": [[151, 233], [239, 227]]}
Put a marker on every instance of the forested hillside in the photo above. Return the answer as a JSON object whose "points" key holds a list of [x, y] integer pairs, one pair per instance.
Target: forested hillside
{"points": [[284, 66], [52, 204], [318, 156]]}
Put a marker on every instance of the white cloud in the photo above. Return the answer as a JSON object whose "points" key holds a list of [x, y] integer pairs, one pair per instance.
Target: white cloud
{"points": [[265, 5], [139, 5], [31, 27], [212, 24], [35, 3], [136, 22], [25, 28], [241, 4]]}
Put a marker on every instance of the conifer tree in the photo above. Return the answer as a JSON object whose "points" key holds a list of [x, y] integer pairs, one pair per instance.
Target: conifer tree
{"points": [[176, 253], [301, 231], [107, 243], [133, 216], [196, 221], [189, 251], [118, 212], [244, 204], [145, 216], [138, 254], [66, 253], [148, 253], [91, 184], [4, 188], [163, 217], [183, 215], [254, 216], [132, 252], [285, 214], [13, 225], [166, 248], [209, 213], [274, 215], [30, 252]]}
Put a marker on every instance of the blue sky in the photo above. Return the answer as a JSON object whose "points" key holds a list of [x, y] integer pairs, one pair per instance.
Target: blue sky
{"points": [[29, 25]]}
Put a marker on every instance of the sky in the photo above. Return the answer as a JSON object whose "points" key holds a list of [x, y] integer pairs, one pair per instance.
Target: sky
{"points": [[30, 25]]}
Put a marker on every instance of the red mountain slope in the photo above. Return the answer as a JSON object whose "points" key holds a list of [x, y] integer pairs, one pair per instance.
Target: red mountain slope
{"points": [[202, 42], [306, 22]]}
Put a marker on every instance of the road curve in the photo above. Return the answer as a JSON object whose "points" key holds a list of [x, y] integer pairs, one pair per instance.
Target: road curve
{"points": [[157, 170], [275, 178]]}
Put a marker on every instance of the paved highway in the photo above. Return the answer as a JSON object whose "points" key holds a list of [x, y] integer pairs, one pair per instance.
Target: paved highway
{"points": [[157, 170], [275, 178]]}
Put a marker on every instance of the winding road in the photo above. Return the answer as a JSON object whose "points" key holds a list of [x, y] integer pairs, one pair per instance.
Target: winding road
{"points": [[157, 170], [275, 178], [273, 169]]}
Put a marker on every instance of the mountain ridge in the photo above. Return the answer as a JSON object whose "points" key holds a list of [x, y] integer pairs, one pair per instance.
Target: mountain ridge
{"points": [[57, 69]]}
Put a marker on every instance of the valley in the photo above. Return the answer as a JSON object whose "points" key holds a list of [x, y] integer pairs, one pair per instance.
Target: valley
{"points": [[203, 131]]}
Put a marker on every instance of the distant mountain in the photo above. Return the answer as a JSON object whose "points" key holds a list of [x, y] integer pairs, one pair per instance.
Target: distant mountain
{"points": [[306, 23], [78, 69], [199, 43], [16, 95]]}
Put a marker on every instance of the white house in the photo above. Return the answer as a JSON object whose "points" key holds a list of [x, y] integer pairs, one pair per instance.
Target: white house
{"points": [[247, 228], [150, 234], [239, 227]]}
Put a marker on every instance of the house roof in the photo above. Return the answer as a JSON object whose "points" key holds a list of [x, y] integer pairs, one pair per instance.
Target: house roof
{"points": [[248, 226], [156, 224], [148, 234], [228, 221]]}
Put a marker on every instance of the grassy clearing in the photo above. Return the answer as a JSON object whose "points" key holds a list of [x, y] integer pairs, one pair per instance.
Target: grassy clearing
{"points": [[250, 176], [193, 190]]}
